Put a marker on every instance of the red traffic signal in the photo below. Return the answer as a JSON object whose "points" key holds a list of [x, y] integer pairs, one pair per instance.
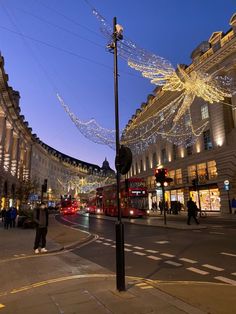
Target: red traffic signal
{"points": [[161, 175]]}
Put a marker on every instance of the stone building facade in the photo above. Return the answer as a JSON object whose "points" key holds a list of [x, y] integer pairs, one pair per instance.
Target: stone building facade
{"points": [[212, 158], [26, 162]]}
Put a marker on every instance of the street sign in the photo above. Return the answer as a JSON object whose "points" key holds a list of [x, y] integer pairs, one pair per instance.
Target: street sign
{"points": [[226, 182]]}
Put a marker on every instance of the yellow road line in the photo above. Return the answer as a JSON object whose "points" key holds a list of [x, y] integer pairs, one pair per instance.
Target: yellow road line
{"points": [[2, 306]]}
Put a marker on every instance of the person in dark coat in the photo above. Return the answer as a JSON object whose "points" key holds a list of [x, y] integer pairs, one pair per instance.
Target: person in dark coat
{"points": [[13, 216], [40, 216], [192, 211], [7, 219]]}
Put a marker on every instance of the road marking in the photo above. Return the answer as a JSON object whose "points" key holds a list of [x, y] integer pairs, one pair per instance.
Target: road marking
{"points": [[198, 271], [187, 260], [167, 255], [139, 253], [109, 240], [214, 232], [227, 280], [108, 244], [113, 246], [228, 254], [126, 244], [2, 306], [98, 241], [146, 287], [162, 242], [154, 257], [173, 263], [213, 267], [152, 251], [233, 274], [140, 284], [127, 250], [138, 248], [101, 238]]}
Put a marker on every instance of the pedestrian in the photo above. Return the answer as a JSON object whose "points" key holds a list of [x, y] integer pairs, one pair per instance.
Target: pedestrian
{"points": [[13, 216], [233, 205], [192, 211], [40, 216], [3, 214], [7, 219], [161, 206]]}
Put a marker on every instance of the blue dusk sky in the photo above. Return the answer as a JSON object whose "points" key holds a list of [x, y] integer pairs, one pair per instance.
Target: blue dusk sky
{"points": [[55, 46]]}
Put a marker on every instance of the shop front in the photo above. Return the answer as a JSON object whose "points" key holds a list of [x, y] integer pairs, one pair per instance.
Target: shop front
{"points": [[209, 198]]}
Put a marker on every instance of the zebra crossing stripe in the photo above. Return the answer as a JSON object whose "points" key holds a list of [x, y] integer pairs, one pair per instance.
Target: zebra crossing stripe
{"points": [[155, 258], [198, 271], [139, 253], [151, 251], [228, 254], [167, 255], [187, 260], [226, 280], [213, 267], [138, 248], [173, 263], [127, 250], [126, 244]]}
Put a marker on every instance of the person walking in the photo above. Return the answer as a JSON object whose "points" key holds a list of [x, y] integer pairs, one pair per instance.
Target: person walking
{"points": [[7, 219], [192, 211], [13, 216], [40, 216]]}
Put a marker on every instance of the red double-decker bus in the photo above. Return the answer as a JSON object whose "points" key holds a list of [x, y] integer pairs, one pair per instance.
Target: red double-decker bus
{"points": [[133, 198], [68, 205]]}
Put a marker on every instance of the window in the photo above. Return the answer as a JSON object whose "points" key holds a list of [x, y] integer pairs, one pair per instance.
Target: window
{"points": [[204, 111], [207, 140], [178, 176], [154, 160], [141, 165], [175, 152], [163, 156], [189, 150], [211, 169], [147, 163], [192, 172]]}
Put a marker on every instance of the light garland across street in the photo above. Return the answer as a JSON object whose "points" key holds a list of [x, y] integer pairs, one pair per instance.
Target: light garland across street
{"points": [[174, 121]]}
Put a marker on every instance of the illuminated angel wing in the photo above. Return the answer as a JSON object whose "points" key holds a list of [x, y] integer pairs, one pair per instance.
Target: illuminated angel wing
{"points": [[154, 67], [91, 129]]}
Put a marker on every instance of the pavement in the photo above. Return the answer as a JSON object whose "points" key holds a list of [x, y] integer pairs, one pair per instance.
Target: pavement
{"points": [[43, 283]]}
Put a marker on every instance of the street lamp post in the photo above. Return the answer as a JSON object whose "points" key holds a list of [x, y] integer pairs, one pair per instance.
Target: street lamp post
{"points": [[120, 257]]}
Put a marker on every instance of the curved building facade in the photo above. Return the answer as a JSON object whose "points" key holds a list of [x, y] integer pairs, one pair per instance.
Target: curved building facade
{"points": [[26, 163], [211, 160]]}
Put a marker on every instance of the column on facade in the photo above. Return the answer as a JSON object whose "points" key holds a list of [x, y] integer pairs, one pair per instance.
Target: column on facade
{"points": [[15, 153], [8, 148], [2, 149], [26, 163]]}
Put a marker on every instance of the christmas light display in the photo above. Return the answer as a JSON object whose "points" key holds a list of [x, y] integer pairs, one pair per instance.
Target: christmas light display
{"points": [[173, 122]]}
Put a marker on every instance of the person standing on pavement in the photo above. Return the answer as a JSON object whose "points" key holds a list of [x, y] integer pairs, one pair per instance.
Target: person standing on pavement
{"points": [[192, 211], [40, 216]]}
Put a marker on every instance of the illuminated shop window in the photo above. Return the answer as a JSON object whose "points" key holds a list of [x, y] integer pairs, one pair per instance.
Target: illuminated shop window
{"points": [[212, 169], [178, 176]]}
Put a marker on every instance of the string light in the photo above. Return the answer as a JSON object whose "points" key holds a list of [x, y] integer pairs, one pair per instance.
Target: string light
{"points": [[91, 129], [174, 121]]}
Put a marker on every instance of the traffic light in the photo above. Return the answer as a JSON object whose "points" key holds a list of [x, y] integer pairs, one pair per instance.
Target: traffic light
{"points": [[161, 175]]}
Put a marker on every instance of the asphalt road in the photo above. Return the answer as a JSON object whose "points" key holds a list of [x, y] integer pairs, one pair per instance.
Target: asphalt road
{"points": [[164, 254]]}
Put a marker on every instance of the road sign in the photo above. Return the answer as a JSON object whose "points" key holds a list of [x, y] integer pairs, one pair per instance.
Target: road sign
{"points": [[226, 182]]}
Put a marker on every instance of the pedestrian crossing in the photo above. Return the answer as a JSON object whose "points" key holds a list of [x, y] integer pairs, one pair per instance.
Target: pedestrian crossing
{"points": [[175, 261]]}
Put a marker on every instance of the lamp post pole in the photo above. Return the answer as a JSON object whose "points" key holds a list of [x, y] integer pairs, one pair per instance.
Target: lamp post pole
{"points": [[120, 257]]}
